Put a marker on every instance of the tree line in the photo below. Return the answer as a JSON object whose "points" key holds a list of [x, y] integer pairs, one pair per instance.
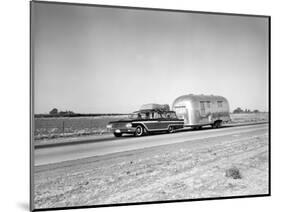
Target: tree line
{"points": [[56, 113], [239, 110]]}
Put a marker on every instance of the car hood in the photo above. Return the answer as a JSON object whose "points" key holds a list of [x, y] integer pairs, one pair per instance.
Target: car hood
{"points": [[121, 121]]}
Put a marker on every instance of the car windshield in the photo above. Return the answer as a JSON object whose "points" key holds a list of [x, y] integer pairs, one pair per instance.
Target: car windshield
{"points": [[137, 115]]}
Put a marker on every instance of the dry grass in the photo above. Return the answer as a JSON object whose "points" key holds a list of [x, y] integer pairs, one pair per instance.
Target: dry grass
{"points": [[233, 172], [248, 117], [46, 128], [200, 169]]}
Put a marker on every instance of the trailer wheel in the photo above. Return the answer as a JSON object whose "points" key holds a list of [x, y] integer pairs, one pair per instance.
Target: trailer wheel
{"points": [[139, 131], [217, 124], [197, 128]]}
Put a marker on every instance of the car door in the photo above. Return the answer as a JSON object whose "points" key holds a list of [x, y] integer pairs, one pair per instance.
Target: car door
{"points": [[163, 121], [154, 123]]}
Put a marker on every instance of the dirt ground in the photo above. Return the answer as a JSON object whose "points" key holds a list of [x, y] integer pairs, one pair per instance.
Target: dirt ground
{"points": [[195, 169]]}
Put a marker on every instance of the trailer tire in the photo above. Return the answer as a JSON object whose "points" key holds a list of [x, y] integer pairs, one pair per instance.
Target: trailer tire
{"points": [[217, 124], [197, 128]]}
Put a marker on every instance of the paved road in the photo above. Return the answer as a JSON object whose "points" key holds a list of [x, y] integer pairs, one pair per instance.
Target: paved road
{"points": [[94, 147]]}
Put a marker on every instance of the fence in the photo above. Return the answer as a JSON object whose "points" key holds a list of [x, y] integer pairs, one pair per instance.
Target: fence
{"points": [[59, 127]]}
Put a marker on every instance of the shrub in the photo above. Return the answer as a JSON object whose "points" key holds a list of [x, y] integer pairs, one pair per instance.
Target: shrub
{"points": [[233, 172]]}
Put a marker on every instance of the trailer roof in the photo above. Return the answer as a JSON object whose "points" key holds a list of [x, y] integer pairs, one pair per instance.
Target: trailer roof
{"points": [[200, 97]]}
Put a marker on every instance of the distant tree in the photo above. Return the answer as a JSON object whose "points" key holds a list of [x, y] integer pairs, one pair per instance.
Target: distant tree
{"points": [[54, 111], [238, 110], [66, 112], [256, 111], [247, 111]]}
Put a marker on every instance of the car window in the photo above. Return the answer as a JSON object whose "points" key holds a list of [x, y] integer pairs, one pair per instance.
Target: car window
{"points": [[133, 116], [166, 115], [156, 115], [143, 115], [148, 115], [173, 115], [137, 116]]}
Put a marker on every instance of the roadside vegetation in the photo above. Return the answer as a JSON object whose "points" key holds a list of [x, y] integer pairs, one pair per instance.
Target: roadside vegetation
{"points": [[57, 124], [60, 127], [231, 165]]}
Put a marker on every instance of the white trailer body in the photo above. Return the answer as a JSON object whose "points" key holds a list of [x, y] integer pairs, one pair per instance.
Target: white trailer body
{"points": [[200, 110]]}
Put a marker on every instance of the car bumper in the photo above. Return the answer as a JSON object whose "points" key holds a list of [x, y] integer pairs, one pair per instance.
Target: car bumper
{"points": [[122, 130]]}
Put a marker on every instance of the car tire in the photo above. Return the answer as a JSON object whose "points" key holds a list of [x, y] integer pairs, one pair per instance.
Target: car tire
{"points": [[217, 124], [139, 131], [170, 129], [117, 134]]}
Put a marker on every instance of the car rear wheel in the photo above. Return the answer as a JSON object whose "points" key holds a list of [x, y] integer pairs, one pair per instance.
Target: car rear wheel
{"points": [[117, 134], [170, 129], [139, 131]]}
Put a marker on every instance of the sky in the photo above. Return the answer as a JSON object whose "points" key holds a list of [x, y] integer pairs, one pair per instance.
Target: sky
{"points": [[113, 60]]}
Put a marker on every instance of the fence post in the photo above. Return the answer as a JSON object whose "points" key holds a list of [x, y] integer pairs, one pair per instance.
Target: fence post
{"points": [[63, 127]]}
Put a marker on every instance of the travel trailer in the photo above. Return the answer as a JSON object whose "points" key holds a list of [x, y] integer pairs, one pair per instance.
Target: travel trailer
{"points": [[201, 110]]}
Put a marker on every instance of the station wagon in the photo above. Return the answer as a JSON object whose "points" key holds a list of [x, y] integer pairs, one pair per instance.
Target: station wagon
{"points": [[146, 121]]}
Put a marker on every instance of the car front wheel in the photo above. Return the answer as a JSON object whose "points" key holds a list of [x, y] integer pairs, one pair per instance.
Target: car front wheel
{"points": [[117, 134], [139, 131]]}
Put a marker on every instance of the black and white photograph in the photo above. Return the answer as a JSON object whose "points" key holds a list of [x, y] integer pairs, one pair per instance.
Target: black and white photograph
{"points": [[141, 105]]}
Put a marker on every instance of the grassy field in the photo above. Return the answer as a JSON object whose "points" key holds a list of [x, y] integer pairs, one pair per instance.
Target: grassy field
{"points": [[48, 128], [75, 126], [248, 117]]}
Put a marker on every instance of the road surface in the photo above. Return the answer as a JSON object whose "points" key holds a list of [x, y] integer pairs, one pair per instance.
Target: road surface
{"points": [[56, 154]]}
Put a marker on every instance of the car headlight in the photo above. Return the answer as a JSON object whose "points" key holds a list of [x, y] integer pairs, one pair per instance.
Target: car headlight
{"points": [[129, 125], [109, 126]]}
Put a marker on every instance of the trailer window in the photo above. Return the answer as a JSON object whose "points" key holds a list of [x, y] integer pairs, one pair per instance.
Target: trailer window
{"points": [[180, 109], [219, 103], [208, 104], [202, 108]]}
